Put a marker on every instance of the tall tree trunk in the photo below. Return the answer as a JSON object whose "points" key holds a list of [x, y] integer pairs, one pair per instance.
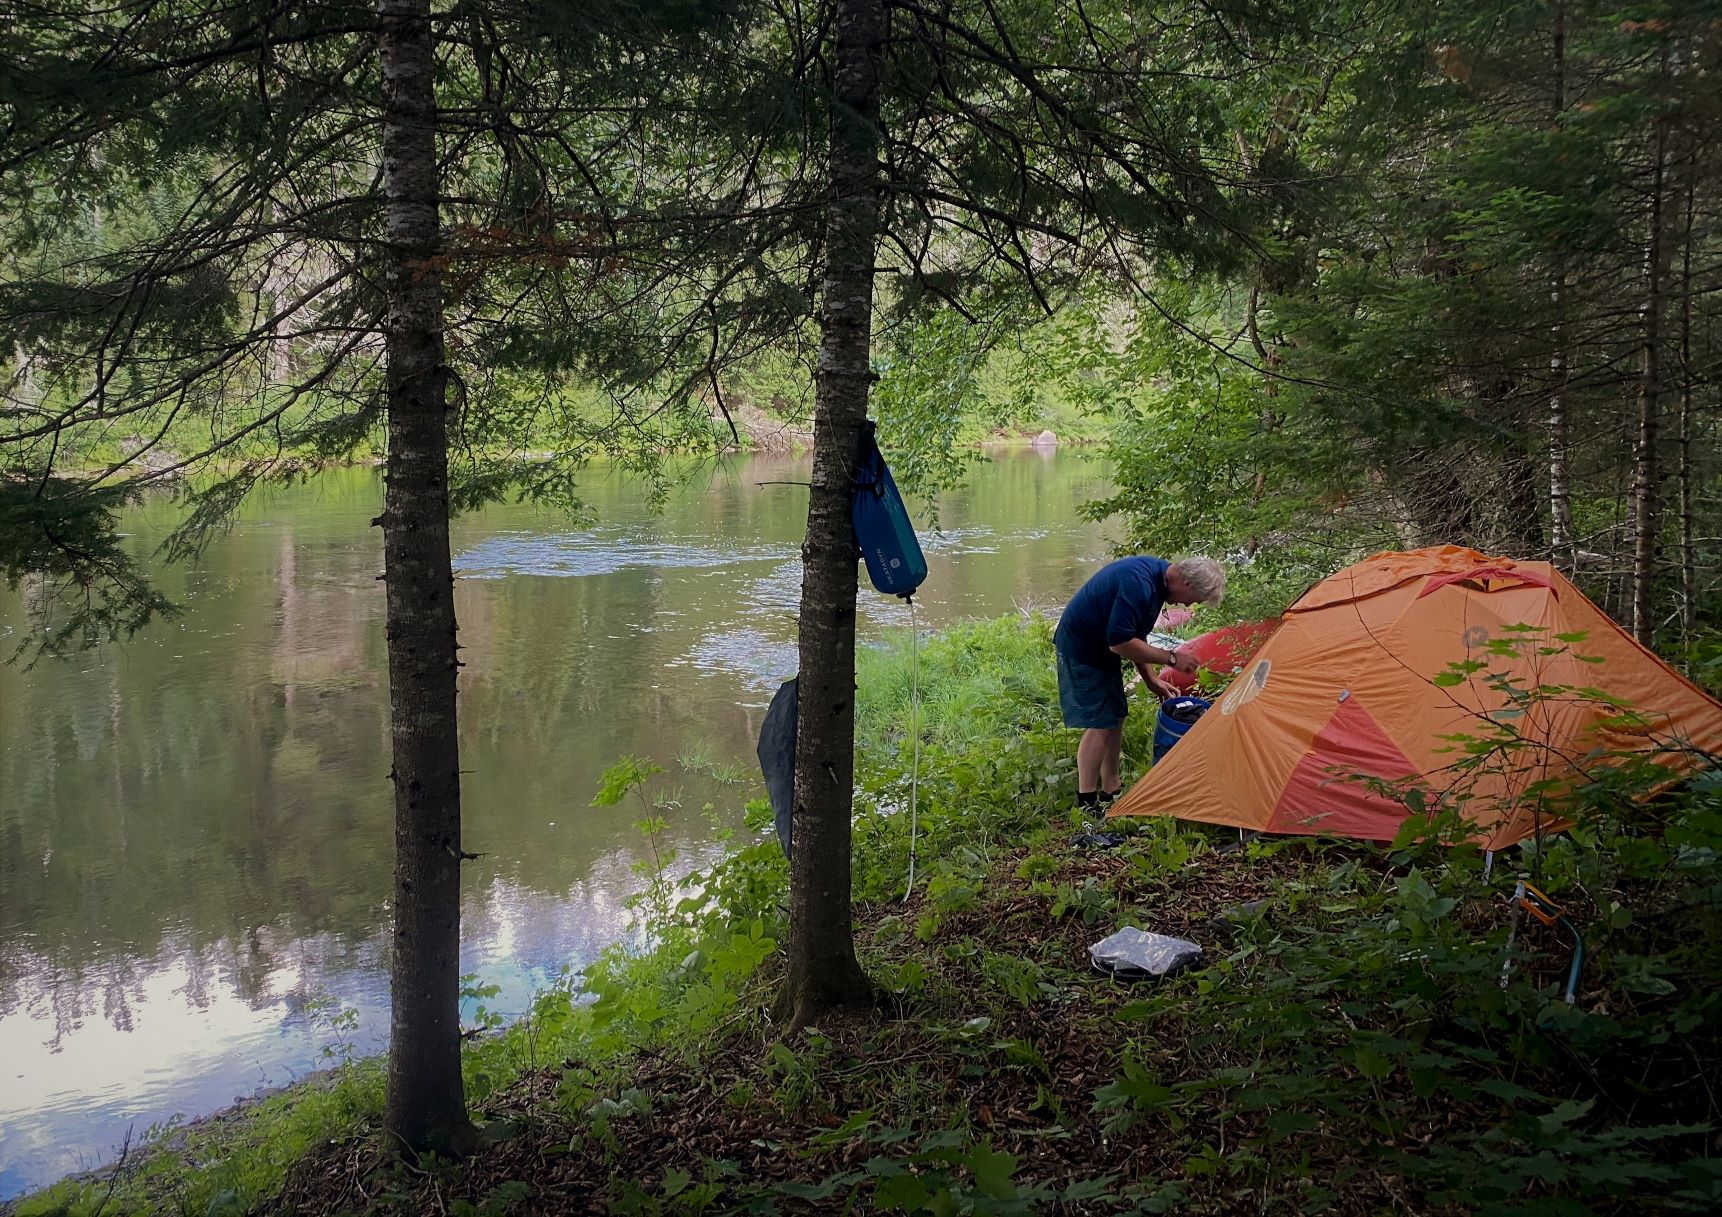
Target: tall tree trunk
{"points": [[1688, 548], [425, 1107], [823, 971], [1560, 480], [1561, 542], [1269, 419], [1646, 516]]}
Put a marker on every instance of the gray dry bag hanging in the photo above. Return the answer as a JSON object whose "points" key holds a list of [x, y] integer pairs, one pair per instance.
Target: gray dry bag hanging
{"points": [[882, 529], [777, 757]]}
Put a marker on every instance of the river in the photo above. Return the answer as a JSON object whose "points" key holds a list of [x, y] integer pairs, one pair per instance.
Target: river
{"points": [[195, 828]]}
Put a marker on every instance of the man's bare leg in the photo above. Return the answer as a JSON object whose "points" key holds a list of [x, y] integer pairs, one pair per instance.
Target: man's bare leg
{"points": [[1097, 756]]}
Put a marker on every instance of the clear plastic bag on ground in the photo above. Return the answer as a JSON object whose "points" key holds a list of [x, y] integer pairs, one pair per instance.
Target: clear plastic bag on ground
{"points": [[1133, 954]]}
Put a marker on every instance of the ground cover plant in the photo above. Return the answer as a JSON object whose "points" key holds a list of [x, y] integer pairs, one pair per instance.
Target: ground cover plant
{"points": [[1367, 1032]]}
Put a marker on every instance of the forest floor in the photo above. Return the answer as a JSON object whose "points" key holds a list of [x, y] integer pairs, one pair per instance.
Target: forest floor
{"points": [[999, 1086], [1008, 1055]]}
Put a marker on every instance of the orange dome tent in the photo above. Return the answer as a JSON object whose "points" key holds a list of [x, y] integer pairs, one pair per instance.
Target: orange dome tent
{"points": [[1344, 692]]}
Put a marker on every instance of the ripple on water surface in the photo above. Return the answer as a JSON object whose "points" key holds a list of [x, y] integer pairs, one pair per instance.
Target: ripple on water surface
{"points": [[761, 661], [599, 551]]}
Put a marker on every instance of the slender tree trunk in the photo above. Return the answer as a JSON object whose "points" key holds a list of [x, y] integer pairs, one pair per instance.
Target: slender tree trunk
{"points": [[1269, 420], [1646, 516], [823, 971], [425, 1107], [1688, 554], [1560, 481], [1564, 551]]}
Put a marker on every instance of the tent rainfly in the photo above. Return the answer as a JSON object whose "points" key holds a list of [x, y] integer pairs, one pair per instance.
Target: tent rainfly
{"points": [[1342, 697]]}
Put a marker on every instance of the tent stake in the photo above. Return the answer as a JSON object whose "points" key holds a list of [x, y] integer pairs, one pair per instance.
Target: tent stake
{"points": [[1512, 931]]}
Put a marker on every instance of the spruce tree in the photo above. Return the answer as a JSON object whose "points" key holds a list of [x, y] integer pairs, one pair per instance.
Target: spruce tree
{"points": [[284, 228], [1476, 317], [979, 153]]}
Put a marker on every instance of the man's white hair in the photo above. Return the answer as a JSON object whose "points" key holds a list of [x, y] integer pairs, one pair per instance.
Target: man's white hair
{"points": [[1205, 578]]}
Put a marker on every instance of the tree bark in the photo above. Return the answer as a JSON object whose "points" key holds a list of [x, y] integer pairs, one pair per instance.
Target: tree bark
{"points": [[822, 969], [1560, 480], [1646, 514], [1688, 547], [1269, 420], [425, 1106]]}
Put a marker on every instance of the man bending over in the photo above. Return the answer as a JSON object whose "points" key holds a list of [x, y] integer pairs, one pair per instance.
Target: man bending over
{"points": [[1106, 623]]}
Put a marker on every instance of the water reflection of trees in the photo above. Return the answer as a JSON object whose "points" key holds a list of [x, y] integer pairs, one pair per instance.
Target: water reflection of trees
{"points": [[197, 801], [262, 969], [215, 794]]}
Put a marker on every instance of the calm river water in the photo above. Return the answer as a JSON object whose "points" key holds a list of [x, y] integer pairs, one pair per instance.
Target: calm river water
{"points": [[195, 828]]}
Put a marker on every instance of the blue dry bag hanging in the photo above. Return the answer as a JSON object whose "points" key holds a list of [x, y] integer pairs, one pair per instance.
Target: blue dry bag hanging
{"points": [[882, 529]]}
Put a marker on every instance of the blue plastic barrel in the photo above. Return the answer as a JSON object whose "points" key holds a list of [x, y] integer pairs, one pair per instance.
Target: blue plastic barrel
{"points": [[1169, 730]]}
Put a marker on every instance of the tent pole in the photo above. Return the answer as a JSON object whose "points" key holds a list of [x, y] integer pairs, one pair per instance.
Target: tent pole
{"points": [[1488, 864]]}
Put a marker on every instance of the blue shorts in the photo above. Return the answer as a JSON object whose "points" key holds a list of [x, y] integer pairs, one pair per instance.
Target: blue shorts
{"points": [[1089, 694]]}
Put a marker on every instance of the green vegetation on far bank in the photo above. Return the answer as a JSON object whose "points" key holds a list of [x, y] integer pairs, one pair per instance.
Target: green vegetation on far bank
{"points": [[1354, 1043], [944, 394]]}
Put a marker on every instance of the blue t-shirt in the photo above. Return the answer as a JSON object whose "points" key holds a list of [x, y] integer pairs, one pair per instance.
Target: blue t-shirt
{"points": [[1122, 601]]}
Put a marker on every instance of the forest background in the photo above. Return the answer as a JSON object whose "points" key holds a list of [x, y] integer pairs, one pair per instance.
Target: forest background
{"points": [[1475, 304]]}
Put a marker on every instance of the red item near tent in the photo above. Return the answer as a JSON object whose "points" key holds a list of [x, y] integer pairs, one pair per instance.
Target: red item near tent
{"points": [[1223, 651]]}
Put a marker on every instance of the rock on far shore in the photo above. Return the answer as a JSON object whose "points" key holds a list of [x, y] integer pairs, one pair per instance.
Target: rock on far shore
{"points": [[1046, 439]]}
